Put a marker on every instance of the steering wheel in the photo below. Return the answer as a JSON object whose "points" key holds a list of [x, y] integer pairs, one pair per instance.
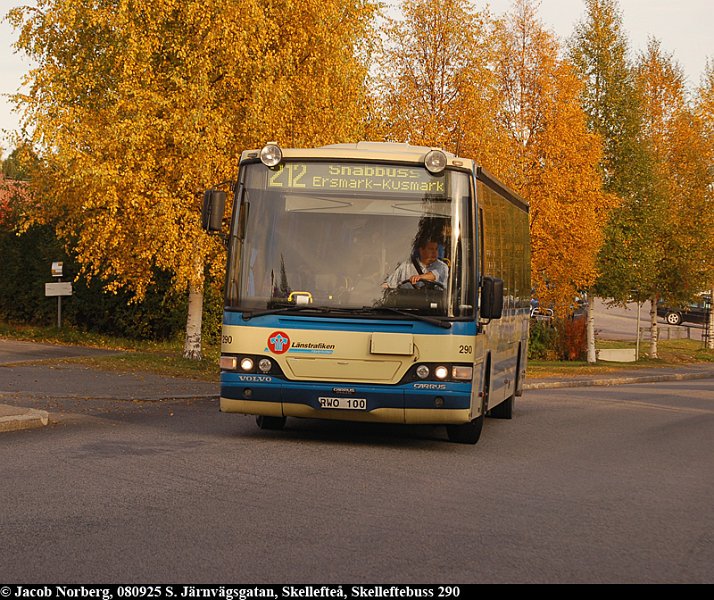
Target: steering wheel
{"points": [[432, 285]]}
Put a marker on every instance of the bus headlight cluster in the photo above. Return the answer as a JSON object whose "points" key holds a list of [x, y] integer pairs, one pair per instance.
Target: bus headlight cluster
{"points": [[247, 364], [445, 372]]}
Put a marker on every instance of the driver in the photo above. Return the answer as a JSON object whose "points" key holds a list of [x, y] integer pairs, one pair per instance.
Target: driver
{"points": [[423, 266]]}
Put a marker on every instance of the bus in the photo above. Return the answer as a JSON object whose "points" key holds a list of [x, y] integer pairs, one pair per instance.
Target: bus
{"points": [[372, 282]]}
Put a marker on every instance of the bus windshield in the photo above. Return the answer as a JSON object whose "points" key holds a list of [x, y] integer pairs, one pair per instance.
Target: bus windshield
{"points": [[343, 237]]}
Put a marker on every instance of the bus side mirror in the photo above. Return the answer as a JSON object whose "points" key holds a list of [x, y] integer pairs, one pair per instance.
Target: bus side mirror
{"points": [[214, 205], [491, 298]]}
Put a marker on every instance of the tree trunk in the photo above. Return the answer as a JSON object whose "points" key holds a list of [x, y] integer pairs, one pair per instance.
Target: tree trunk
{"points": [[192, 345], [653, 327], [592, 355]]}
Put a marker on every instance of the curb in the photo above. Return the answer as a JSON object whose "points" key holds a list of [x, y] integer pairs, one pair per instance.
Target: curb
{"points": [[29, 418], [617, 380], [14, 418]]}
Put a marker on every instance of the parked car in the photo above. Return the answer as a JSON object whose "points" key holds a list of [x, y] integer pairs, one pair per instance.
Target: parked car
{"points": [[578, 308], [541, 314], [538, 312], [694, 312]]}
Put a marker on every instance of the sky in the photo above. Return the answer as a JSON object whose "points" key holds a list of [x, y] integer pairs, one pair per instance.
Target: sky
{"points": [[685, 29]]}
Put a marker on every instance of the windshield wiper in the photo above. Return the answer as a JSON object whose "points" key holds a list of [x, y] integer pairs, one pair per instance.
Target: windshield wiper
{"points": [[284, 309], [431, 320], [334, 309]]}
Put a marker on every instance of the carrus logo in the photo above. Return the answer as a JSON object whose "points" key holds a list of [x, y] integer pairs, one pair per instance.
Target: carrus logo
{"points": [[278, 342]]}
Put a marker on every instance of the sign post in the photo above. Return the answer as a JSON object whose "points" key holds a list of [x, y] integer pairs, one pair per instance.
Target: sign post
{"points": [[59, 289]]}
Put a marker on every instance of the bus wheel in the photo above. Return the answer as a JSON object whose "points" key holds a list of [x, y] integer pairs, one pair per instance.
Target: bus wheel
{"points": [[270, 422], [468, 433], [503, 410]]}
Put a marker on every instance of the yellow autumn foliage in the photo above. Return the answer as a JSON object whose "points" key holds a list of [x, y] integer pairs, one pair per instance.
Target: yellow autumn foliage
{"points": [[496, 91], [428, 64], [137, 107]]}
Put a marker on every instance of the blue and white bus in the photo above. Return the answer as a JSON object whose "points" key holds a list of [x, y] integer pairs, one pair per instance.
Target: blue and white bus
{"points": [[318, 321]]}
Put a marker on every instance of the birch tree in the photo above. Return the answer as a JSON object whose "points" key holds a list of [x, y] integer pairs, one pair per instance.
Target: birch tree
{"points": [[136, 107], [497, 92], [628, 258], [678, 137], [555, 159], [432, 56], [705, 111]]}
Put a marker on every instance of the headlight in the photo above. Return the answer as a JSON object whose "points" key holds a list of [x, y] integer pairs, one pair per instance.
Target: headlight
{"points": [[246, 364], [228, 363], [422, 371], [463, 373], [441, 372], [435, 161], [271, 155], [264, 365]]}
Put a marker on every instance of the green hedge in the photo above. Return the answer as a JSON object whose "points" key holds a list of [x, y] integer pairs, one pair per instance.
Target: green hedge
{"points": [[25, 263], [558, 339]]}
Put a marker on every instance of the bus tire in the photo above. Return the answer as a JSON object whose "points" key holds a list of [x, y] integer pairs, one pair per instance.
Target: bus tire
{"points": [[270, 422], [468, 433], [503, 410]]}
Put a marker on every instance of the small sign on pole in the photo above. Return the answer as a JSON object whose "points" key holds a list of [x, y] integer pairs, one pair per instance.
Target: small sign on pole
{"points": [[58, 289], [61, 288]]}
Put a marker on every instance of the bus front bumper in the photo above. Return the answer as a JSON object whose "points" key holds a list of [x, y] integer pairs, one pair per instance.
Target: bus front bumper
{"points": [[409, 403]]}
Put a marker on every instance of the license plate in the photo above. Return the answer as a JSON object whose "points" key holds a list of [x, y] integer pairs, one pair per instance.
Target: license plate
{"points": [[344, 403]]}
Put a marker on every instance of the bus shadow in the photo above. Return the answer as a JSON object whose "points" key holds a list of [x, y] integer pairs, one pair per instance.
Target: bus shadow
{"points": [[355, 433]]}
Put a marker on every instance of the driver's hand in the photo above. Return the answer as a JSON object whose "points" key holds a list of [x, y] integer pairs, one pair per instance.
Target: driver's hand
{"points": [[415, 279]]}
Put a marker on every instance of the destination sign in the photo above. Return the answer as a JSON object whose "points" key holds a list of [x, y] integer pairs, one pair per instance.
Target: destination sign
{"points": [[345, 177]]}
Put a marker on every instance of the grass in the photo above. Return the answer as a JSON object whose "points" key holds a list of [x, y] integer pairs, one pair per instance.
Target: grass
{"points": [[166, 357], [671, 353]]}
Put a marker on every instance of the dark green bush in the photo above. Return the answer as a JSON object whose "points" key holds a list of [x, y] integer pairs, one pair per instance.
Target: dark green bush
{"points": [[558, 339], [25, 263], [542, 344]]}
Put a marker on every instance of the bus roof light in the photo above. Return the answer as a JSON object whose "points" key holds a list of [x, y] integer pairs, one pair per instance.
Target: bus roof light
{"points": [[435, 161], [271, 154]]}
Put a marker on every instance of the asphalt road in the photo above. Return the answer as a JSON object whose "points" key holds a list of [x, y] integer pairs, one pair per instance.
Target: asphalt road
{"points": [[604, 485], [13, 351]]}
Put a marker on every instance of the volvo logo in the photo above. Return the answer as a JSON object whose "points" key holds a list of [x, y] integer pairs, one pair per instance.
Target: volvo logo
{"points": [[256, 378], [339, 390]]}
